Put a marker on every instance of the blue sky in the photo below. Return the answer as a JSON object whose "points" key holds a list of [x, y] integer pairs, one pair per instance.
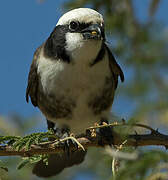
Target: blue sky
{"points": [[24, 25]]}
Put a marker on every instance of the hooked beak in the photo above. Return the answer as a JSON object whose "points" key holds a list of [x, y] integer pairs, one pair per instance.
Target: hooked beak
{"points": [[94, 31]]}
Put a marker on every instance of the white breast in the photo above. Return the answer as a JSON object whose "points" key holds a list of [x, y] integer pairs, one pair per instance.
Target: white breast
{"points": [[77, 81]]}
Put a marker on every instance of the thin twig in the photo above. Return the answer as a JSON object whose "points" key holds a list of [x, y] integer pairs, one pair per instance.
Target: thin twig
{"points": [[114, 159]]}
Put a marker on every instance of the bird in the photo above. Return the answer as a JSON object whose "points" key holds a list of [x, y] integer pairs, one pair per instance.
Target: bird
{"points": [[72, 80]]}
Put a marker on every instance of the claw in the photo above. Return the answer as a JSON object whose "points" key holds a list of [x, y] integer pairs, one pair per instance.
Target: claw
{"points": [[65, 133], [67, 144], [66, 148], [105, 133]]}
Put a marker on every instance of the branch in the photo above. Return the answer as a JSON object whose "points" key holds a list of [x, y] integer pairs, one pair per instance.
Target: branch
{"points": [[92, 139]]}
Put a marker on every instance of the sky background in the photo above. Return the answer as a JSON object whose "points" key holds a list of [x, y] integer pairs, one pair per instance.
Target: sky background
{"points": [[24, 25]]}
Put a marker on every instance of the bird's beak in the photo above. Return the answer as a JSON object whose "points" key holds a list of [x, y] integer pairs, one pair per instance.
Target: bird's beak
{"points": [[94, 31]]}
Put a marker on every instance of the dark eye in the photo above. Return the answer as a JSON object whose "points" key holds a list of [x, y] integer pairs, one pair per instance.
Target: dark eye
{"points": [[73, 25]]}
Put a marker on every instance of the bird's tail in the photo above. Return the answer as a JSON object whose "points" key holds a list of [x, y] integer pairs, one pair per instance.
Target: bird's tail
{"points": [[57, 162]]}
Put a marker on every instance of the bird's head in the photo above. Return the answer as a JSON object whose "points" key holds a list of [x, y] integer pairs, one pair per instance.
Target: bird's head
{"points": [[80, 32], [84, 22]]}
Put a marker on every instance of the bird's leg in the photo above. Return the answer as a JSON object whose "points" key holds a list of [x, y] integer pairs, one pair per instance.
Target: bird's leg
{"points": [[50, 125], [105, 133]]}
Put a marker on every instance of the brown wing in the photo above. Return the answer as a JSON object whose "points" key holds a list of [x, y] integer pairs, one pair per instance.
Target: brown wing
{"points": [[115, 68], [32, 86]]}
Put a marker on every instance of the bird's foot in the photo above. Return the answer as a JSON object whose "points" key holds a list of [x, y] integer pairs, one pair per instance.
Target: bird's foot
{"points": [[68, 141], [105, 133]]}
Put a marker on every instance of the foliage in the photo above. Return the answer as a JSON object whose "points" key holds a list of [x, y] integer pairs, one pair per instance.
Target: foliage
{"points": [[18, 142], [32, 160]]}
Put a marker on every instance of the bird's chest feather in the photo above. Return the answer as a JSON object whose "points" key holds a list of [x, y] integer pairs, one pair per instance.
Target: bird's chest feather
{"points": [[71, 89]]}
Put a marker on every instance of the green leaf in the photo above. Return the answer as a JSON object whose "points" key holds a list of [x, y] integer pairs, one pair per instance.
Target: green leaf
{"points": [[28, 144], [36, 158], [24, 162]]}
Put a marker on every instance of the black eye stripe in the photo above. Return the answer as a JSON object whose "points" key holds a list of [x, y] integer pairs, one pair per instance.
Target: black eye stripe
{"points": [[79, 27], [84, 25]]}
